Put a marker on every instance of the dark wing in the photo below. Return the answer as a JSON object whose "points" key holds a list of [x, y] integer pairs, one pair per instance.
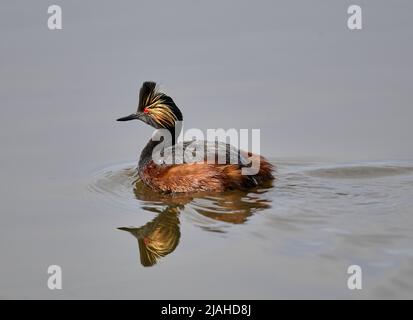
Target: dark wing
{"points": [[200, 151]]}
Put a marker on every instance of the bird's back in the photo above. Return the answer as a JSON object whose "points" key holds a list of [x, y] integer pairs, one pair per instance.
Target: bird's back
{"points": [[193, 166]]}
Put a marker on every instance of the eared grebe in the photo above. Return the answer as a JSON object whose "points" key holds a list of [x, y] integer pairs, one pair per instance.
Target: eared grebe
{"points": [[194, 174]]}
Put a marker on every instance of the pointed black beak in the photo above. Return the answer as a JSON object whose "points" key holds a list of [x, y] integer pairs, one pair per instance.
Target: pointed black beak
{"points": [[132, 116]]}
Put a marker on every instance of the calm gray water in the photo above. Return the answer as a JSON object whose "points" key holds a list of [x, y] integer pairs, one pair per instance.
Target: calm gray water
{"points": [[333, 106], [294, 239]]}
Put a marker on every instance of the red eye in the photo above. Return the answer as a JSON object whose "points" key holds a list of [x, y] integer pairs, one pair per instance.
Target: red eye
{"points": [[146, 110]]}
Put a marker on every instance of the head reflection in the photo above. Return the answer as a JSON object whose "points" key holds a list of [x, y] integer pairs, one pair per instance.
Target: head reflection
{"points": [[160, 236]]}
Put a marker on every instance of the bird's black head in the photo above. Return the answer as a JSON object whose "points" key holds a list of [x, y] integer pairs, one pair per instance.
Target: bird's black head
{"points": [[155, 108]]}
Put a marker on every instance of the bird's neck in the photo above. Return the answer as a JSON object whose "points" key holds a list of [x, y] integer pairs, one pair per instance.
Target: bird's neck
{"points": [[159, 136]]}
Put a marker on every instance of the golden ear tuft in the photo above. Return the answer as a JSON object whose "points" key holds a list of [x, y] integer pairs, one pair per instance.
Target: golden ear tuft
{"points": [[158, 105], [146, 94]]}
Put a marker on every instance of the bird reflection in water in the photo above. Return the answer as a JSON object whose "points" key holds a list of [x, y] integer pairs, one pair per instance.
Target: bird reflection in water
{"points": [[160, 236]]}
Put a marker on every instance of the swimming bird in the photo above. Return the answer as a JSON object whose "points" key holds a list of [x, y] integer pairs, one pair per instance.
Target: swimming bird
{"points": [[196, 174]]}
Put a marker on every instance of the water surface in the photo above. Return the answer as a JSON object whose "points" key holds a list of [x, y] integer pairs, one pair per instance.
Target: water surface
{"points": [[313, 222]]}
